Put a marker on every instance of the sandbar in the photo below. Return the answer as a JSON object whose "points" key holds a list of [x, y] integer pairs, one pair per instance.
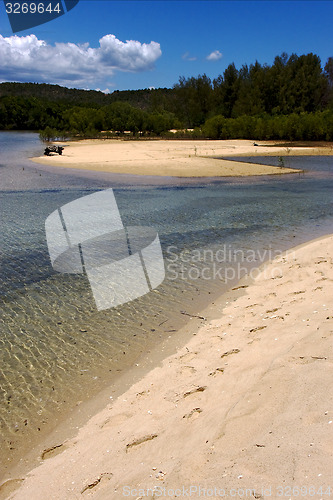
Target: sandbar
{"points": [[176, 158]]}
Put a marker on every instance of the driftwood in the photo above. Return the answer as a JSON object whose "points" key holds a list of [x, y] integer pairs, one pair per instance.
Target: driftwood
{"points": [[193, 315], [53, 149]]}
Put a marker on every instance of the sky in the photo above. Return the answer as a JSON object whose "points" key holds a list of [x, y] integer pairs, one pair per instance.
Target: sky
{"points": [[113, 45]]}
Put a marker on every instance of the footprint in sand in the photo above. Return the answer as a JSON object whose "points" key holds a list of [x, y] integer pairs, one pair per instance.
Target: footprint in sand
{"points": [[193, 413], [98, 483], [143, 393], [116, 420], [228, 353], [143, 439], [300, 299], [216, 371], [187, 370], [257, 328], [54, 450], [9, 487], [194, 391], [188, 356], [304, 360]]}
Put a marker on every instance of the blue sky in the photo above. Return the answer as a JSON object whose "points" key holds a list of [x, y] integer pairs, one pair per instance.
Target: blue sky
{"points": [[168, 39]]}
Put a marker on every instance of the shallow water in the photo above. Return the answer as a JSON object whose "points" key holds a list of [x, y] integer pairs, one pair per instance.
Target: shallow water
{"points": [[56, 348]]}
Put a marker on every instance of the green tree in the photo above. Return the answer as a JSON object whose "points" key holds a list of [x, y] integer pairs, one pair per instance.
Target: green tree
{"points": [[328, 72]]}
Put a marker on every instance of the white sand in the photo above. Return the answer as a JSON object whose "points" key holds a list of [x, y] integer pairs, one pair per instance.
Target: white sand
{"points": [[177, 158], [246, 404]]}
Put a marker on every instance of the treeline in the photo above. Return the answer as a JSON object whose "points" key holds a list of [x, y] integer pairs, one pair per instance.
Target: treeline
{"points": [[61, 120], [291, 99], [294, 127], [291, 85]]}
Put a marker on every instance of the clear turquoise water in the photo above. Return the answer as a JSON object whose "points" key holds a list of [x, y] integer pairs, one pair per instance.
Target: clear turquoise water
{"points": [[56, 348]]}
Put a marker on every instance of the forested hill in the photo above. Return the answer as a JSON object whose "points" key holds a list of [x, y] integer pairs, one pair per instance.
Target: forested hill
{"points": [[55, 93], [291, 99]]}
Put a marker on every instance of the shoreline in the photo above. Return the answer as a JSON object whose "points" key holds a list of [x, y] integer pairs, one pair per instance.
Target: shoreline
{"points": [[177, 158], [182, 360]]}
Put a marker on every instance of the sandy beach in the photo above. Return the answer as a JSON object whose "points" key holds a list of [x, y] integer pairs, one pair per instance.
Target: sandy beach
{"points": [[175, 158], [242, 410]]}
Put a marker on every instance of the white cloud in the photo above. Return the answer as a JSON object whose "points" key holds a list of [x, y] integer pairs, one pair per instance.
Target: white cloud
{"points": [[105, 91], [188, 57], [29, 59], [214, 56]]}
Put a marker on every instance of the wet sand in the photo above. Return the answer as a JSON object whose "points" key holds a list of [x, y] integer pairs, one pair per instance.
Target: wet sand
{"points": [[244, 404], [176, 158]]}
